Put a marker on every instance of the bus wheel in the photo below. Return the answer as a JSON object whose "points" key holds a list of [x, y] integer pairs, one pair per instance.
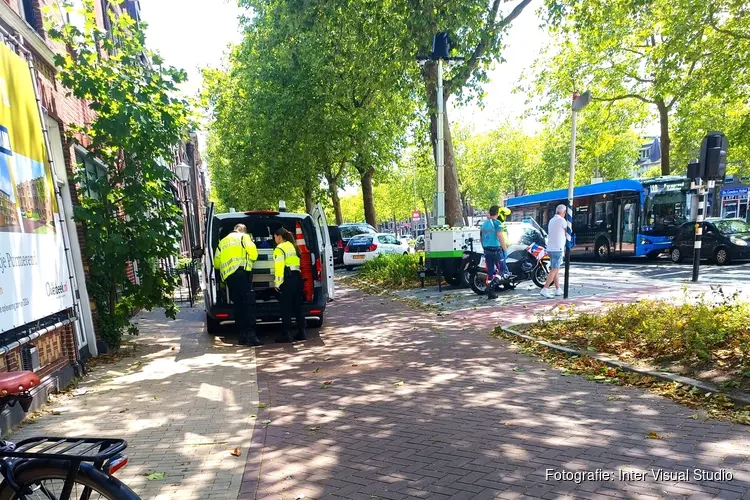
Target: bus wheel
{"points": [[602, 250]]}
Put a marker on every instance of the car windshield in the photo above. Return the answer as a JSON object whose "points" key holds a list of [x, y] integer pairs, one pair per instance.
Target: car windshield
{"points": [[351, 231], [732, 226]]}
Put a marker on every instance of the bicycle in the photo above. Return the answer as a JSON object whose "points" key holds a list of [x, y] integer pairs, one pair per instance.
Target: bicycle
{"points": [[56, 468]]}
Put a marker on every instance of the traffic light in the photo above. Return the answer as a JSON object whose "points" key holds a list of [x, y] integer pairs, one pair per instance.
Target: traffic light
{"points": [[694, 170], [713, 158]]}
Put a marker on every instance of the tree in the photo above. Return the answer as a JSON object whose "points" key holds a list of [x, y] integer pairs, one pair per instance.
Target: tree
{"points": [[477, 28], [129, 216], [655, 52]]}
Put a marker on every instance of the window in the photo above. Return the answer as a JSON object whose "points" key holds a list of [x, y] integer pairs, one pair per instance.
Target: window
{"points": [[95, 170], [383, 239], [26, 8]]}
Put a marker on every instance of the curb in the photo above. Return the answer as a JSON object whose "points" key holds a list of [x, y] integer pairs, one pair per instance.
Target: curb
{"points": [[705, 387]]}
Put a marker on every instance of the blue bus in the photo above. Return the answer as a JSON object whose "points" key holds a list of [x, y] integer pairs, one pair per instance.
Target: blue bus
{"points": [[616, 218]]}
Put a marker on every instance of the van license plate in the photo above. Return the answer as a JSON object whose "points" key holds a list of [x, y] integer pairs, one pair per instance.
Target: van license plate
{"points": [[358, 257]]}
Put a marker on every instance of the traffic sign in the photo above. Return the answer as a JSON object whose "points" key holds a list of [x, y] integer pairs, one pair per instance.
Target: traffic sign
{"points": [[416, 215]]}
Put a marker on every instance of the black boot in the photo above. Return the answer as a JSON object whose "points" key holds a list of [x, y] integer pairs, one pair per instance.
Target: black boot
{"points": [[284, 338], [250, 338], [301, 335]]}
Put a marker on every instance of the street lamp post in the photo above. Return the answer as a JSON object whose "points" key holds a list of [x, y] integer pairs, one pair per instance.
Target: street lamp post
{"points": [[579, 102]]}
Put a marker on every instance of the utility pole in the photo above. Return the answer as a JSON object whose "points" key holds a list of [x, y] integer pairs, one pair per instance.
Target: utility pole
{"points": [[579, 102]]}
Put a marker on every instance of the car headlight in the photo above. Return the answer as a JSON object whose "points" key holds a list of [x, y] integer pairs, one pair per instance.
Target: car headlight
{"points": [[737, 241]]}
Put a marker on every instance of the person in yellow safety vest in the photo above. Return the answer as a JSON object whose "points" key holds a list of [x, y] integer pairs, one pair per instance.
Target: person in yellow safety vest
{"points": [[234, 259], [288, 281]]}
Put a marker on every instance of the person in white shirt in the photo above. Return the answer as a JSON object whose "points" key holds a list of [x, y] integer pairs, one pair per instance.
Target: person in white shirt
{"points": [[556, 238]]}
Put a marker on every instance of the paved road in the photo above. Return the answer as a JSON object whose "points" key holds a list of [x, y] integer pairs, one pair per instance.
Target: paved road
{"points": [[428, 406]]}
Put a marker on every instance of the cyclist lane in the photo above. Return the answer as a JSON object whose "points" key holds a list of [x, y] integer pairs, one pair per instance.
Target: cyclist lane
{"points": [[392, 402], [183, 403]]}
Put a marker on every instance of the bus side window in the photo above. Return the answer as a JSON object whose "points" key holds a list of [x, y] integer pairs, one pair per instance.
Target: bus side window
{"points": [[610, 215]]}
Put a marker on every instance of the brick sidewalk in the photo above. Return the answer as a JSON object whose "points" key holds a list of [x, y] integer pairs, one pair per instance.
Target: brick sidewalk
{"points": [[426, 406], [183, 404]]}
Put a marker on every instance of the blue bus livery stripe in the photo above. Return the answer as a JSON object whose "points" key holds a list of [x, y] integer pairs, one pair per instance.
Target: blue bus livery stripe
{"points": [[588, 190]]}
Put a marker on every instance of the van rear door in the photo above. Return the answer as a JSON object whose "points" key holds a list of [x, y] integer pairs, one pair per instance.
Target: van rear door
{"points": [[326, 250], [209, 276]]}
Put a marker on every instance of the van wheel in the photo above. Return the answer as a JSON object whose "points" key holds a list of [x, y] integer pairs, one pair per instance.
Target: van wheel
{"points": [[315, 323], [602, 250], [213, 327]]}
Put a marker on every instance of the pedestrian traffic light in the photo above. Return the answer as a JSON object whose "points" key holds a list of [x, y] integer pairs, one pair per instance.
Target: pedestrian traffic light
{"points": [[441, 46], [694, 170], [713, 158]]}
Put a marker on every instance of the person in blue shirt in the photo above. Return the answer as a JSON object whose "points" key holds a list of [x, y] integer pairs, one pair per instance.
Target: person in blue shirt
{"points": [[493, 243]]}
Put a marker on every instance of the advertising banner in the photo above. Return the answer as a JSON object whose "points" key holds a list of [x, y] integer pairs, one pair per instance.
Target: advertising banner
{"points": [[33, 272]]}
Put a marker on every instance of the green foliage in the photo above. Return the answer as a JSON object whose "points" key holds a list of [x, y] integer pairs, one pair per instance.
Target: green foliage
{"points": [[129, 215], [703, 331], [392, 271]]}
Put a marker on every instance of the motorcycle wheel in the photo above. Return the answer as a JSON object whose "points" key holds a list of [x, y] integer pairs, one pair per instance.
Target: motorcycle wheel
{"points": [[478, 283], [539, 274]]}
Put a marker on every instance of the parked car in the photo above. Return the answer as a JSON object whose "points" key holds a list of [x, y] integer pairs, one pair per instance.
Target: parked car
{"points": [[340, 236], [365, 247], [408, 241], [723, 240], [261, 225]]}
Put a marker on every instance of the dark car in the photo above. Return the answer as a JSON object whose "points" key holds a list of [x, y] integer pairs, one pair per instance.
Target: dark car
{"points": [[723, 240], [340, 236]]}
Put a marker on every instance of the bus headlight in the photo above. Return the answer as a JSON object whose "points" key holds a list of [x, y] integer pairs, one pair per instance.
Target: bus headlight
{"points": [[645, 241]]}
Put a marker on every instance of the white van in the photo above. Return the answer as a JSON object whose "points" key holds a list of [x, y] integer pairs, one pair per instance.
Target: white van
{"points": [[317, 276]]}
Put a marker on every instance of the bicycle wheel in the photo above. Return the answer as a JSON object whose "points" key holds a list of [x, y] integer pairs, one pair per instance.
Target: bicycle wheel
{"points": [[47, 479]]}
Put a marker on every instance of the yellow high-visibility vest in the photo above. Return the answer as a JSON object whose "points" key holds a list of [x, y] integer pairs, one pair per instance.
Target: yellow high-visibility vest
{"points": [[284, 255], [235, 250]]}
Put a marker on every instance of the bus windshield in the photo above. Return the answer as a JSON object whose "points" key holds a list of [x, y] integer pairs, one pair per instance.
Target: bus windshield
{"points": [[665, 209]]}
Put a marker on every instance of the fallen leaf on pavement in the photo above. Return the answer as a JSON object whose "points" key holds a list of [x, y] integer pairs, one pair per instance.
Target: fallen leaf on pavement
{"points": [[579, 401], [253, 416], [694, 416], [156, 476], [355, 364], [261, 405], [654, 435], [613, 398], [316, 370], [236, 452], [313, 428], [518, 369], [399, 383], [327, 359], [299, 497], [328, 382], [123, 411], [324, 386], [342, 408], [266, 422]]}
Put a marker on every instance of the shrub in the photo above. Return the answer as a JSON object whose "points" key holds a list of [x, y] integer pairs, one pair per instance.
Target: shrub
{"points": [[392, 271], [701, 331]]}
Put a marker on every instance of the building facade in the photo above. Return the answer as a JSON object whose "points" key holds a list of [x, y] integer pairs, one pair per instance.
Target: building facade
{"points": [[63, 341]]}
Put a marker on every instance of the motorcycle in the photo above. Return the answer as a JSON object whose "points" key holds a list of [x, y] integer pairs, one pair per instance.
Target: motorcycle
{"points": [[525, 262]]}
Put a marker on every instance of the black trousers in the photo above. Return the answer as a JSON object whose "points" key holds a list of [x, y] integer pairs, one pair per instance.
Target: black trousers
{"points": [[291, 301], [241, 292]]}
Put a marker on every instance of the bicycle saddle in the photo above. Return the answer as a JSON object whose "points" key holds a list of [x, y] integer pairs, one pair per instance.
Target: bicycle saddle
{"points": [[12, 383]]}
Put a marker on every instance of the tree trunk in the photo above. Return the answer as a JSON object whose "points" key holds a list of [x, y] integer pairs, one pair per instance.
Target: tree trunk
{"points": [[334, 192], [453, 212], [665, 140], [367, 196], [308, 198]]}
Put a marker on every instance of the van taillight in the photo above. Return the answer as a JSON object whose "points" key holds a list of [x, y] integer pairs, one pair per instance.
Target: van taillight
{"points": [[319, 269], [340, 244]]}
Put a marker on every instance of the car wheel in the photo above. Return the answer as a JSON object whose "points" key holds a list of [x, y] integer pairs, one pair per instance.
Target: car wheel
{"points": [[676, 255], [602, 250], [349, 268], [406, 253], [213, 327], [721, 256], [478, 283]]}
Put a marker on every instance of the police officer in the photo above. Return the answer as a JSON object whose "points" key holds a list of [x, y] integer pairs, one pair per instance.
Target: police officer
{"points": [[288, 281], [234, 259]]}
